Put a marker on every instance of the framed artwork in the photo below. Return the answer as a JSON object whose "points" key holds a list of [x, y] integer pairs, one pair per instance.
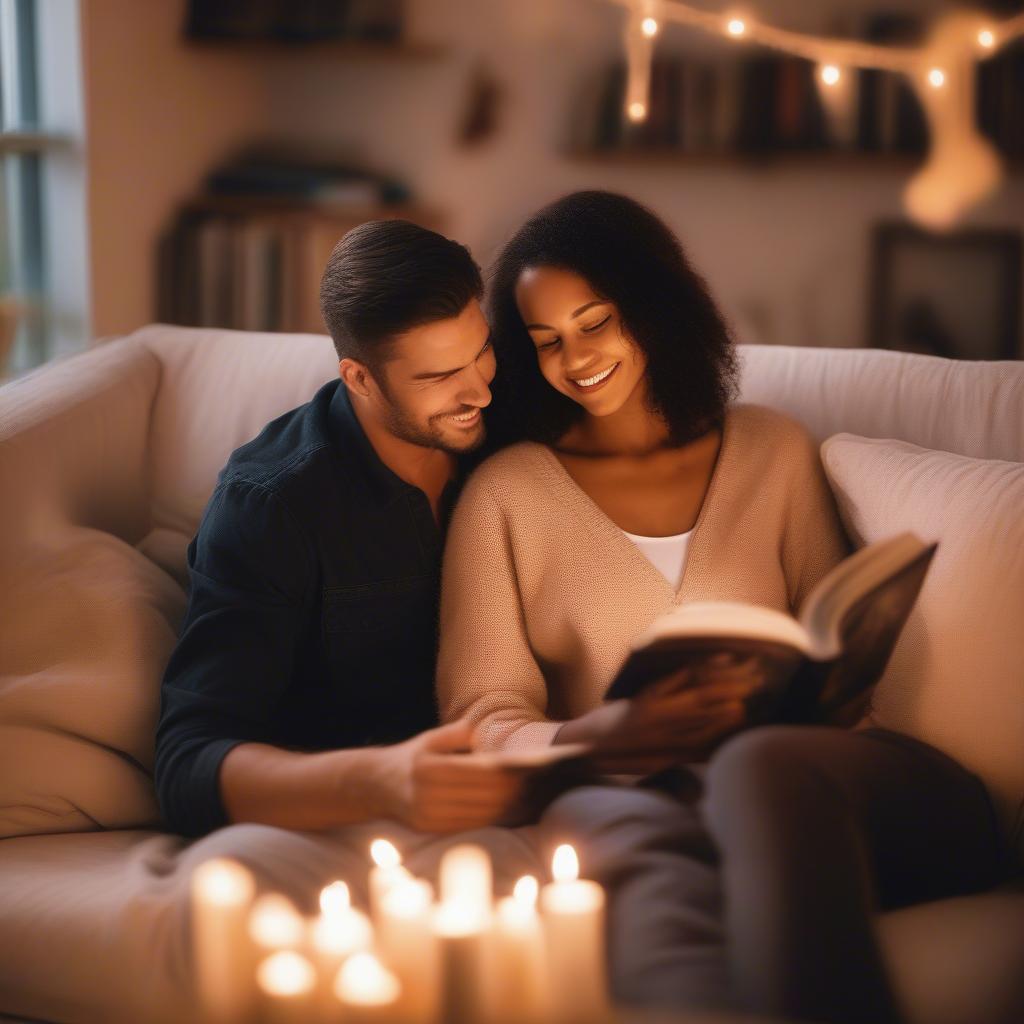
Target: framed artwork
{"points": [[956, 295]]}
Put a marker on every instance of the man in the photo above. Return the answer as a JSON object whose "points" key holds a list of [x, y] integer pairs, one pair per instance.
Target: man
{"points": [[315, 571], [300, 694]]}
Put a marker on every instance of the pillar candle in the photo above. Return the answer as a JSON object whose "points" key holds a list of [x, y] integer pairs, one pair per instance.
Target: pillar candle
{"points": [[275, 925], [572, 910], [465, 877], [287, 983], [221, 896], [367, 990], [338, 931], [387, 871], [462, 935], [409, 947], [520, 989]]}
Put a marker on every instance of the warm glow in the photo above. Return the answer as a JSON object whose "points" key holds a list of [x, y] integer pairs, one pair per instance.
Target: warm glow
{"points": [[465, 877], [341, 934], [365, 981], [408, 899], [649, 27], [637, 111], [830, 74], [936, 78], [525, 891], [274, 922], [565, 865], [453, 920], [223, 882], [384, 854], [736, 27], [335, 898], [286, 974], [987, 38]]}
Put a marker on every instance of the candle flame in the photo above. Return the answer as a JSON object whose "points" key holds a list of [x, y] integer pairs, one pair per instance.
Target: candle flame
{"points": [[525, 891], [736, 27], [274, 922], [286, 974], [565, 865], [365, 981], [223, 882], [384, 854], [335, 898]]}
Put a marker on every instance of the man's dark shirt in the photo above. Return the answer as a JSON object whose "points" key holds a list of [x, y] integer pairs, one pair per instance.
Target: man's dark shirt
{"points": [[313, 608]]}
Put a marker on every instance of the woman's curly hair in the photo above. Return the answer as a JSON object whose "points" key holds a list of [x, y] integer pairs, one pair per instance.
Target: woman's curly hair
{"points": [[628, 256]]}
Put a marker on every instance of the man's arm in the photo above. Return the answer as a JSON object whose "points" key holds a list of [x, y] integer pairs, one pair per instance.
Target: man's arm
{"points": [[254, 579]]}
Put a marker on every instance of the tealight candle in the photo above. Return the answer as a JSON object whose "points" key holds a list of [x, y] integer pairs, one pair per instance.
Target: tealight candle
{"points": [[338, 931], [520, 992], [287, 981], [221, 895], [367, 989], [388, 871], [573, 915], [409, 947]]}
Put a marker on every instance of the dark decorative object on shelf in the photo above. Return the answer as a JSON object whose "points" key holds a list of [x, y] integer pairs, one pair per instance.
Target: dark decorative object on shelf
{"points": [[957, 295]]}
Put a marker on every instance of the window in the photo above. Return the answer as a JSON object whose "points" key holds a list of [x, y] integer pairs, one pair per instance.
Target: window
{"points": [[43, 280]]}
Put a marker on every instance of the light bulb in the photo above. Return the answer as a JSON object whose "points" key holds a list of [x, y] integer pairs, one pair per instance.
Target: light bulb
{"points": [[830, 74], [936, 78], [736, 27], [649, 27]]}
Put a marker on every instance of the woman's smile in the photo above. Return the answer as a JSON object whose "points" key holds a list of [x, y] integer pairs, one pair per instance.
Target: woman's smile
{"points": [[595, 381]]}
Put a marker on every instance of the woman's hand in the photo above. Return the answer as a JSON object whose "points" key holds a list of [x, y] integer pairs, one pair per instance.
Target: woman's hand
{"points": [[680, 718]]}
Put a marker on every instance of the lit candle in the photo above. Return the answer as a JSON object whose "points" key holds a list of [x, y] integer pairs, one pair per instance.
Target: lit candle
{"points": [[466, 880], [520, 992], [221, 895], [275, 924], [409, 947], [388, 871], [461, 932], [573, 914], [338, 931], [287, 981], [367, 989]]}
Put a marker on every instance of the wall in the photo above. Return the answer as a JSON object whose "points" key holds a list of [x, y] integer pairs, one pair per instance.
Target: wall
{"points": [[158, 114], [785, 251]]}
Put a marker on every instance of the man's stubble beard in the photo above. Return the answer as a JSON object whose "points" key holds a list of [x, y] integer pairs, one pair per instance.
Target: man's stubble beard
{"points": [[403, 427]]}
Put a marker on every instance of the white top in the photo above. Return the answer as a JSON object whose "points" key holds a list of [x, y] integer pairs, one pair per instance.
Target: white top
{"points": [[666, 554]]}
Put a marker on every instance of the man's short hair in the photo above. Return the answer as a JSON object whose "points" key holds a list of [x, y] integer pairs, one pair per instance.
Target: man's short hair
{"points": [[386, 277]]}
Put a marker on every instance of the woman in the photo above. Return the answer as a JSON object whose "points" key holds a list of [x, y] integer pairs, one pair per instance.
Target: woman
{"points": [[629, 481]]}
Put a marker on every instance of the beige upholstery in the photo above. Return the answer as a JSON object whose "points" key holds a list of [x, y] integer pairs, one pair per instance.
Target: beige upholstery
{"points": [[106, 461]]}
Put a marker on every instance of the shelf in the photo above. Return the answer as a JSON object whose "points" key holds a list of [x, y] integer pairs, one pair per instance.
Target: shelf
{"points": [[348, 49]]}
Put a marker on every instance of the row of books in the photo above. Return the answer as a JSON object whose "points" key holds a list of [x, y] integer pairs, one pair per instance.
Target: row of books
{"points": [[773, 104], [295, 20]]}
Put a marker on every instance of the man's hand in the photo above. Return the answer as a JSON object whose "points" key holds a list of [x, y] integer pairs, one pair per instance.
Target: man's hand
{"points": [[425, 783], [678, 719]]}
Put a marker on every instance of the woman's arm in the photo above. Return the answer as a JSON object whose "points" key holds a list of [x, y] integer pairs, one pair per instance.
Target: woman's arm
{"points": [[486, 670]]}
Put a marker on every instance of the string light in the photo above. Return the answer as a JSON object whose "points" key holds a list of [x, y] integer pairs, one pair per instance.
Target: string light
{"points": [[830, 74], [961, 166]]}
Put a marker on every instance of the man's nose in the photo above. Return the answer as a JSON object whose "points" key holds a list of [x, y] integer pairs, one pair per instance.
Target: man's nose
{"points": [[477, 391]]}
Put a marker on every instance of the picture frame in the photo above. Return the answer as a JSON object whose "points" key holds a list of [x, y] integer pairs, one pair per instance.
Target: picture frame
{"points": [[956, 295]]}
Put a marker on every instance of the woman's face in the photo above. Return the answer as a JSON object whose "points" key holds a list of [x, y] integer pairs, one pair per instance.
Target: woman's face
{"points": [[582, 348]]}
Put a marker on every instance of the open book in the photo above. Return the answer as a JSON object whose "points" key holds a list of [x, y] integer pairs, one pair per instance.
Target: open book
{"points": [[808, 667]]}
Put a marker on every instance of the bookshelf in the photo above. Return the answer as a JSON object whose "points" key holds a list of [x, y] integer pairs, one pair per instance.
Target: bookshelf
{"points": [[254, 263]]}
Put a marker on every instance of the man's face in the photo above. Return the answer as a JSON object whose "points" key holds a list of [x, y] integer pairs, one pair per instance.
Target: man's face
{"points": [[436, 382]]}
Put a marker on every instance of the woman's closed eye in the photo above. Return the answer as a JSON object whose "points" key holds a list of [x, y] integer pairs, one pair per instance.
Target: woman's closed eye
{"points": [[594, 328]]}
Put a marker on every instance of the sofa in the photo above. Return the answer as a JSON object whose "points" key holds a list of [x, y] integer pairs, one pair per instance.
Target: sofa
{"points": [[106, 461]]}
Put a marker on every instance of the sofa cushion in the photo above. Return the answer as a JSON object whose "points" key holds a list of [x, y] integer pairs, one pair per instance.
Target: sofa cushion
{"points": [[927, 400], [88, 624], [956, 677]]}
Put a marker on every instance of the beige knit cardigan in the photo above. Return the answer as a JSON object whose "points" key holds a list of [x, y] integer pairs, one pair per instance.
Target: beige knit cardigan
{"points": [[542, 593]]}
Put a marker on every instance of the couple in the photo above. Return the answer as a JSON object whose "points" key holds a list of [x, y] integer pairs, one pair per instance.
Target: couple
{"points": [[583, 443]]}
